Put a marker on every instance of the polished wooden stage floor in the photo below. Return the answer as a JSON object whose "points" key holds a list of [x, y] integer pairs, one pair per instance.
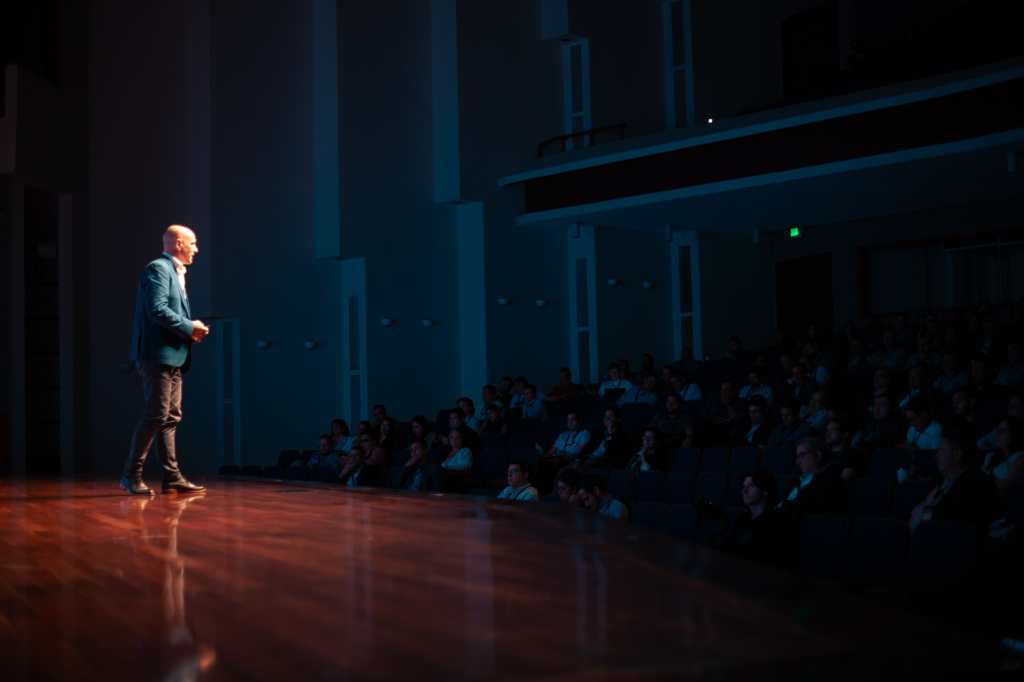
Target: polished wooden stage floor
{"points": [[276, 581]]}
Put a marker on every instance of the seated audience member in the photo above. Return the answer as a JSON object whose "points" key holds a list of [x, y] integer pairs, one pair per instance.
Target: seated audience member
{"points": [[565, 389], [727, 416], [757, 387], [1014, 408], [515, 401], [819, 490], [816, 365], [460, 459], [756, 534], [650, 457], [799, 386], [672, 423], [323, 454], [567, 485], [456, 422], [593, 495], [963, 404], [469, 417], [388, 435], [734, 350], [571, 442], [377, 459], [494, 424], [687, 390], [759, 430], [490, 397], [892, 355], [414, 473], [645, 394], [924, 432], [532, 404], [964, 493], [791, 430], [352, 471], [915, 385], [848, 461], [1005, 463], [647, 367], [952, 378], [362, 428], [505, 387], [856, 359], [1012, 374], [379, 413], [421, 431], [614, 381], [612, 448], [816, 412], [341, 439], [883, 429], [519, 488]]}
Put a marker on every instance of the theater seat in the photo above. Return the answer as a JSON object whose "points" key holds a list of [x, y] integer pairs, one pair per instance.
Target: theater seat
{"points": [[943, 553], [744, 461], [715, 460], [878, 551], [779, 461], [649, 486], [824, 547], [686, 461], [679, 488], [908, 495], [868, 497]]}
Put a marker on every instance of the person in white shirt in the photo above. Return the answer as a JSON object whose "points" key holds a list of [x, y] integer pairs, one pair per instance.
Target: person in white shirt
{"points": [[518, 388], [614, 382], [570, 443], [688, 391], [519, 488], [461, 457], [647, 394], [532, 404], [924, 433], [755, 387], [341, 438], [490, 398], [469, 416], [594, 496]]}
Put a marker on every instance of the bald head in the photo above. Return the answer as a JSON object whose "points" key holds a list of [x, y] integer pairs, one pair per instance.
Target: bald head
{"points": [[180, 242]]}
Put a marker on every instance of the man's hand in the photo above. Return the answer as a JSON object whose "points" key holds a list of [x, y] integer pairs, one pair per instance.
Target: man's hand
{"points": [[199, 331]]}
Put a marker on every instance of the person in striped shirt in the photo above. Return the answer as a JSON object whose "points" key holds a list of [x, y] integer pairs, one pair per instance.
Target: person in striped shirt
{"points": [[519, 488]]}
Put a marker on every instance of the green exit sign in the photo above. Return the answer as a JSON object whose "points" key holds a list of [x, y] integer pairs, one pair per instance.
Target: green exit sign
{"points": [[794, 232]]}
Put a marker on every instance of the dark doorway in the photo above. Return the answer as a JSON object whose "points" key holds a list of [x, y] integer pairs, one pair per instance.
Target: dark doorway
{"points": [[803, 295]]}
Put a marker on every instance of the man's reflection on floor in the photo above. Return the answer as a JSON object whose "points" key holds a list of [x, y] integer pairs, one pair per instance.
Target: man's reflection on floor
{"points": [[182, 658]]}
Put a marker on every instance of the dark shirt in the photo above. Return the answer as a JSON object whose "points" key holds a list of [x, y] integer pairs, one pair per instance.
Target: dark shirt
{"points": [[759, 539], [787, 435], [825, 495], [671, 427], [972, 498]]}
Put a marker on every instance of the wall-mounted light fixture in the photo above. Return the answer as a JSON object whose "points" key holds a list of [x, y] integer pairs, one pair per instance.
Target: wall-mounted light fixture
{"points": [[614, 282], [540, 302], [310, 344], [648, 284], [503, 300], [263, 344], [387, 322], [427, 323]]}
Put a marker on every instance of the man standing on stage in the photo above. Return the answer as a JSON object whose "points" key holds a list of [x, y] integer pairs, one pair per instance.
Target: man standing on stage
{"points": [[162, 337]]}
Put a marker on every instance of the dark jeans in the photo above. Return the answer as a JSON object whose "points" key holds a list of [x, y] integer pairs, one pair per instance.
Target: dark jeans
{"points": [[161, 412]]}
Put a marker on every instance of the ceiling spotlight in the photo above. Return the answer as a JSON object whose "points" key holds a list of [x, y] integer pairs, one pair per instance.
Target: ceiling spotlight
{"points": [[711, 120]]}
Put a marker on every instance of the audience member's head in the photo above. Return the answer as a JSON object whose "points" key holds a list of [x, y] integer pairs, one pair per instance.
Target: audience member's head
{"points": [[915, 378], [789, 413], [882, 408], [610, 419], [799, 373], [455, 440], [420, 427], [593, 490], [759, 490], [649, 440], [466, 405], [727, 392], [339, 428], [572, 422], [363, 427], [530, 393], [647, 364], [650, 383], [882, 380], [835, 434], [417, 451], [754, 377], [386, 427], [614, 372], [456, 419], [955, 452], [326, 444], [673, 403], [518, 475], [567, 484], [757, 410], [379, 412], [565, 376], [489, 394], [810, 455], [918, 413], [493, 415]]}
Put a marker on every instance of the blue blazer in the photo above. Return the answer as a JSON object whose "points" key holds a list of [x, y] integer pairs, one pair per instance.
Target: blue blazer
{"points": [[162, 325]]}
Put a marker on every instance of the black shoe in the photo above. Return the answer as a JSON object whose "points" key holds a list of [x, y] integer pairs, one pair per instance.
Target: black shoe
{"points": [[181, 486], [136, 486]]}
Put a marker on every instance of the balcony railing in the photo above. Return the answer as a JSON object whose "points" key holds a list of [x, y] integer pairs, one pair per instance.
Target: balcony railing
{"points": [[590, 137]]}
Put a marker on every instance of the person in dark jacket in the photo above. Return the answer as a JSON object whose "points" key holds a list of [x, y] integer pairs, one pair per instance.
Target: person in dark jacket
{"points": [[965, 493], [757, 531], [819, 491]]}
